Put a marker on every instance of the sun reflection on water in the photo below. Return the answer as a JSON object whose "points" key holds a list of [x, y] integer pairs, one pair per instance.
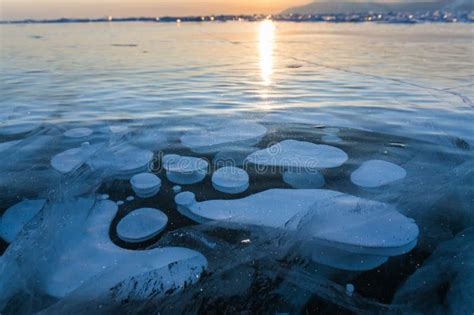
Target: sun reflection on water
{"points": [[266, 42]]}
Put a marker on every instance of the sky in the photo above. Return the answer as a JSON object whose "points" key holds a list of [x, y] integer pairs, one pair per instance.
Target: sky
{"points": [[48, 9]]}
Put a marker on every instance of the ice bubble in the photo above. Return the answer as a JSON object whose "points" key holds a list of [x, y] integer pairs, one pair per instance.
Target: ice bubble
{"points": [[322, 217], [145, 185], [186, 198], [123, 160], [302, 161], [299, 155], [130, 198], [332, 130], [185, 201], [350, 289], [331, 138], [130, 159], [120, 203], [214, 139], [78, 133], [115, 129], [104, 197], [184, 170], [177, 189], [271, 208], [375, 173], [71, 160], [231, 180], [87, 254], [361, 226], [15, 218], [397, 145], [141, 225]]}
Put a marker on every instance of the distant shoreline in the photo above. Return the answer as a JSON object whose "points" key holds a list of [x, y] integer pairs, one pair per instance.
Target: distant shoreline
{"points": [[393, 18]]}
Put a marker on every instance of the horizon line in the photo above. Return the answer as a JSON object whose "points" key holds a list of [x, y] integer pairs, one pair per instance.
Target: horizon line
{"points": [[290, 17]]}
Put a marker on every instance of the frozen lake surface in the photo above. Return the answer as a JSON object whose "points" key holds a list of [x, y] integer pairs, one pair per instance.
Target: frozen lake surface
{"points": [[358, 142]]}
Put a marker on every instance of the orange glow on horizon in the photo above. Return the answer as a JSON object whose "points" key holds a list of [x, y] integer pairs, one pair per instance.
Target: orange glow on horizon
{"points": [[44, 9]]}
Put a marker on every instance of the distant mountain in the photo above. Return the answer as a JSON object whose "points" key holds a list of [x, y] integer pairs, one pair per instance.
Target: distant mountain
{"points": [[339, 7]]}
